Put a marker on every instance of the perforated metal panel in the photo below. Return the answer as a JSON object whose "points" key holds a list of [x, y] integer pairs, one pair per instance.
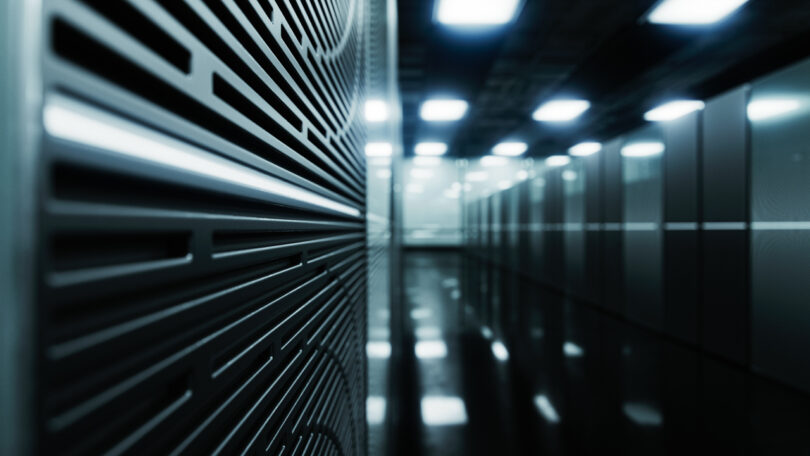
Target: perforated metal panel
{"points": [[202, 270]]}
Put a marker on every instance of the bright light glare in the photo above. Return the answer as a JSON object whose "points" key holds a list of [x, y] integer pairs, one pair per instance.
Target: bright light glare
{"points": [[421, 173], [585, 149], [427, 161], [452, 194], [443, 110], [694, 12], [384, 174], [379, 350], [643, 149], [430, 349], [504, 184], [74, 121], [477, 176], [557, 160], [510, 149], [491, 160], [443, 411], [572, 350], [500, 351], [771, 108], [476, 12], [432, 149], [673, 110], [376, 111], [643, 414], [522, 175], [428, 332], [561, 110], [375, 410], [569, 176], [545, 408], [379, 149]]}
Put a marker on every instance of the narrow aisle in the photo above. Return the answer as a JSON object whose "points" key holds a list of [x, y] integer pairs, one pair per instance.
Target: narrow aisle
{"points": [[460, 383]]}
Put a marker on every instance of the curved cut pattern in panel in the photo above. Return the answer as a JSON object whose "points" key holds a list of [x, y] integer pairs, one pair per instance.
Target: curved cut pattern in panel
{"points": [[203, 269]]}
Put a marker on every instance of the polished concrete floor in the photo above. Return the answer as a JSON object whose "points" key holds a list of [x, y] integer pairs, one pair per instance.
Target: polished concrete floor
{"points": [[495, 364]]}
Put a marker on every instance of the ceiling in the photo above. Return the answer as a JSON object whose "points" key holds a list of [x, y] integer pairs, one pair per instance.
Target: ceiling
{"points": [[600, 50]]}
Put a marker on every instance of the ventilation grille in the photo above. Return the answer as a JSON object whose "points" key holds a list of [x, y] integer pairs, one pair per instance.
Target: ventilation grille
{"points": [[203, 273]]}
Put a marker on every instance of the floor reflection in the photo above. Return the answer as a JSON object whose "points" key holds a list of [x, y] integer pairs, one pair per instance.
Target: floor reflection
{"points": [[500, 365]]}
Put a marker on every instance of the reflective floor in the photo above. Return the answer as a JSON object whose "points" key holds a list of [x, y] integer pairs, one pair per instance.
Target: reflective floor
{"points": [[499, 365]]}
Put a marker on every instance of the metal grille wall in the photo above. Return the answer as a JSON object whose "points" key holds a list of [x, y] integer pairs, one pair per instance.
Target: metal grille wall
{"points": [[202, 270]]}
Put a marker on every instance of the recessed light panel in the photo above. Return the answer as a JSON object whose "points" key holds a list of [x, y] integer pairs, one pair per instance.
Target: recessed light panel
{"points": [[471, 13], [673, 110], [432, 149], [769, 108], [557, 160], [379, 149], [585, 149], [693, 12], [492, 160], [561, 110], [643, 149], [510, 149], [443, 110], [376, 111]]}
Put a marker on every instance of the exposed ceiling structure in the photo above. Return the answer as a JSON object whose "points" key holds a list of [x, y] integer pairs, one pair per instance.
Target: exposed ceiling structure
{"points": [[600, 50]]}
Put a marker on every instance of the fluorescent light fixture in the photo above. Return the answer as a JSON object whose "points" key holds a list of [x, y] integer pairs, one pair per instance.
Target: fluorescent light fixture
{"points": [[430, 349], [500, 351], [561, 110], [477, 176], [74, 121], [492, 161], [375, 410], [421, 173], [572, 350], [693, 12], [643, 149], [379, 149], [673, 110], [427, 161], [585, 149], [380, 350], [643, 414], [510, 149], [544, 406], [505, 184], [522, 175], [431, 149], [569, 176], [770, 108], [376, 111], [476, 12], [421, 313], [443, 110], [443, 411], [555, 161]]}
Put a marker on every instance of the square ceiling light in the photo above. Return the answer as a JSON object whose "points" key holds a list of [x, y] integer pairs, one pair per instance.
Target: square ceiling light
{"points": [[431, 149], [443, 110], [476, 13], [693, 12], [376, 111], [379, 149], [561, 110]]}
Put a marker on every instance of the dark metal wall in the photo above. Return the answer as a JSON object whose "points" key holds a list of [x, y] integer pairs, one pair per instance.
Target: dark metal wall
{"points": [[201, 261], [704, 243]]}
